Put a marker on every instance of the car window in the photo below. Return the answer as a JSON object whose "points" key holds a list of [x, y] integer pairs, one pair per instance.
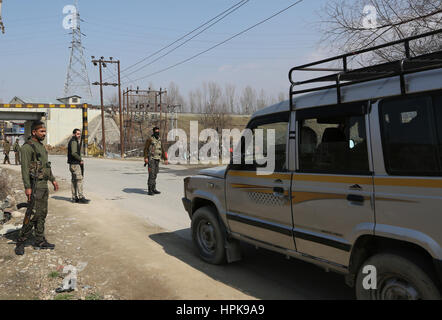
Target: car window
{"points": [[278, 123], [409, 136], [333, 144], [280, 129]]}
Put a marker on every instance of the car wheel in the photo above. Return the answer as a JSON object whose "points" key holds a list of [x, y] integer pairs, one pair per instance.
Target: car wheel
{"points": [[397, 278], [208, 236]]}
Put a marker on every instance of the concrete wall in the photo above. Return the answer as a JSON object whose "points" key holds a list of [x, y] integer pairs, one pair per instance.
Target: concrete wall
{"points": [[60, 122]]}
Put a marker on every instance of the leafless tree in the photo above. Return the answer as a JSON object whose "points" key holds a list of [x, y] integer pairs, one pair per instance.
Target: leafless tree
{"points": [[248, 100], [282, 96], [215, 114], [200, 101], [173, 95], [262, 100], [192, 101], [230, 97], [350, 25]]}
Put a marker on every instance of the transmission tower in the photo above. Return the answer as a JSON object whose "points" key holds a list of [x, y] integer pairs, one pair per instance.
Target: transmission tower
{"points": [[77, 80]]}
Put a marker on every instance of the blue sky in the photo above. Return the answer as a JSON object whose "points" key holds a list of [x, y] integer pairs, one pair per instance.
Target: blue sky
{"points": [[34, 51]]}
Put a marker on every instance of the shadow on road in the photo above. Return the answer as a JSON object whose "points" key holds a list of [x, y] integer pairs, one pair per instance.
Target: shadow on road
{"points": [[262, 273], [184, 172], [135, 190], [13, 236], [62, 198]]}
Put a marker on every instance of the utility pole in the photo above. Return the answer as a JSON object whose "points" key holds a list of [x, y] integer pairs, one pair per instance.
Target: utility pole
{"points": [[121, 112], [103, 64], [160, 93], [132, 112]]}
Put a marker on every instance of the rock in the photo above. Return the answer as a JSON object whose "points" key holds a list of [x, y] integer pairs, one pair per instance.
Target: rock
{"points": [[8, 228], [81, 266], [18, 214]]}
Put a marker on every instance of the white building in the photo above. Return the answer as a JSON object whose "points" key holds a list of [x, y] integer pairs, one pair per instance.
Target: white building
{"points": [[59, 121]]}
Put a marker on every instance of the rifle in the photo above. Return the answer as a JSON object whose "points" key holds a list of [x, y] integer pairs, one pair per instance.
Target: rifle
{"points": [[82, 169], [33, 173], [30, 204]]}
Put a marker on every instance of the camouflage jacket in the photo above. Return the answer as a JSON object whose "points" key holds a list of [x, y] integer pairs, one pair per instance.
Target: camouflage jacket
{"points": [[153, 149], [30, 161]]}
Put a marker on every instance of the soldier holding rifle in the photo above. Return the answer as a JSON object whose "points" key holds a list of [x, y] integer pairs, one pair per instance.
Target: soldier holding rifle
{"points": [[36, 172]]}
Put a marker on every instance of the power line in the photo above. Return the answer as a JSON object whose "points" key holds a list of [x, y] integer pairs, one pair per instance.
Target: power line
{"points": [[188, 40], [240, 3], [221, 43]]}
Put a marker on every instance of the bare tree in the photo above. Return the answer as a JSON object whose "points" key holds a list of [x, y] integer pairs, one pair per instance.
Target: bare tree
{"points": [[192, 101], [216, 109], [262, 100], [248, 100], [230, 97], [356, 24], [173, 95], [200, 102], [214, 97]]}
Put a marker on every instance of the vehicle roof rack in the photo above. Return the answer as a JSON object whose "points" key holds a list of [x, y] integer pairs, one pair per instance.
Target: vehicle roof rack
{"points": [[346, 76]]}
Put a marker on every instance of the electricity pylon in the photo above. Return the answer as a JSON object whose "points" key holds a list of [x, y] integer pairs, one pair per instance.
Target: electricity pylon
{"points": [[77, 80]]}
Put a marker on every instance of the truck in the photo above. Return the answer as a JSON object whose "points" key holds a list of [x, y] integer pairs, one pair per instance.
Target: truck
{"points": [[357, 185]]}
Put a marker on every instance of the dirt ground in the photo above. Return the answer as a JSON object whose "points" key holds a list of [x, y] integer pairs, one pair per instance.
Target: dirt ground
{"points": [[123, 257]]}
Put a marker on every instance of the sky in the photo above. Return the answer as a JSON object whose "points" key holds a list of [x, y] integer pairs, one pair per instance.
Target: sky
{"points": [[34, 52]]}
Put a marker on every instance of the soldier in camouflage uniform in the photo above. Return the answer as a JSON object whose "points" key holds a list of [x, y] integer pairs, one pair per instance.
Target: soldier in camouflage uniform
{"points": [[153, 152], [6, 150], [34, 158], [17, 152], [76, 167]]}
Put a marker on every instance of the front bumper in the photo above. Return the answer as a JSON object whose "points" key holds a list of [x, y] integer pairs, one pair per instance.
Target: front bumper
{"points": [[187, 206]]}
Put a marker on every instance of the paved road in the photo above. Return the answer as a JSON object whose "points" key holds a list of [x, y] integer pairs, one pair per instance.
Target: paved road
{"points": [[262, 274], [125, 183]]}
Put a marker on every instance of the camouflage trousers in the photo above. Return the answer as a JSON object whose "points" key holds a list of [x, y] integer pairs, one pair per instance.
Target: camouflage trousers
{"points": [[17, 158], [6, 159], [154, 168], [77, 181], [39, 218]]}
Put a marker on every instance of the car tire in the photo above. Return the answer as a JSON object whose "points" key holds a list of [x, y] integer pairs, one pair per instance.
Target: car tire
{"points": [[398, 278], [208, 236]]}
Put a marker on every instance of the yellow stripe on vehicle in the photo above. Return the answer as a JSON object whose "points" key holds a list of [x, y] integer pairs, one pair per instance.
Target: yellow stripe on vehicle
{"points": [[407, 182], [253, 174]]}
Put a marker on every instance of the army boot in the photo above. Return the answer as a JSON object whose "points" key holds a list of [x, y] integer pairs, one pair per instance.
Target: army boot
{"points": [[83, 201], [20, 248], [150, 192], [155, 191], [43, 244]]}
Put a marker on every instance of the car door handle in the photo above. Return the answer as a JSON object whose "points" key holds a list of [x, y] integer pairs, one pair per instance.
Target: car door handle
{"points": [[355, 198], [278, 192]]}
